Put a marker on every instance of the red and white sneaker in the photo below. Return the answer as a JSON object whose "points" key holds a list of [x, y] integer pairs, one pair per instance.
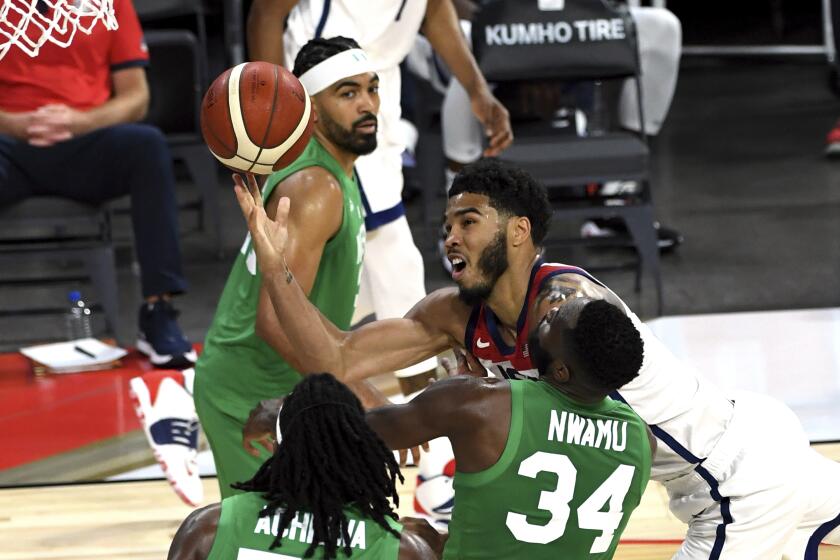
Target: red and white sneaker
{"points": [[832, 141], [164, 404]]}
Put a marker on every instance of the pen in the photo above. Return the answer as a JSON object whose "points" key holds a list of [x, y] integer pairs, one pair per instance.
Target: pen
{"points": [[83, 351]]}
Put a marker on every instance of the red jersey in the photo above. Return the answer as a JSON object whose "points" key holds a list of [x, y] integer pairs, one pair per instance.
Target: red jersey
{"points": [[484, 340], [78, 76]]}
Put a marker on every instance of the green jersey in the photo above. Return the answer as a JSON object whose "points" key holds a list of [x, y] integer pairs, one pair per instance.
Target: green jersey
{"points": [[243, 534], [236, 362], [564, 486]]}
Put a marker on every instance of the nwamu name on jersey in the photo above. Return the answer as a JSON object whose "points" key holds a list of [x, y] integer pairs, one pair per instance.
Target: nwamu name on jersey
{"points": [[568, 427], [300, 529]]}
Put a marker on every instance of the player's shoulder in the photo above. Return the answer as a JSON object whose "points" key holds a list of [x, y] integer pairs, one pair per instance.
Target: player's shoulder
{"points": [[311, 190], [469, 388], [197, 533], [413, 547], [313, 179]]}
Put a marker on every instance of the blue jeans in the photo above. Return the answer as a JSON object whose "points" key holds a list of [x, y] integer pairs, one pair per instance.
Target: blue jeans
{"points": [[102, 165]]}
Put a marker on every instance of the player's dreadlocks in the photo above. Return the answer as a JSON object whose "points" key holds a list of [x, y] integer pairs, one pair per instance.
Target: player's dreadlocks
{"points": [[318, 50], [328, 459]]}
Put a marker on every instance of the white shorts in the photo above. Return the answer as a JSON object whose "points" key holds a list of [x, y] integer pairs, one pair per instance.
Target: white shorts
{"points": [[776, 498], [392, 279]]}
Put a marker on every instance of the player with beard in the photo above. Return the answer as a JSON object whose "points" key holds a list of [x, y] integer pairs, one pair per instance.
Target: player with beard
{"points": [[248, 354]]}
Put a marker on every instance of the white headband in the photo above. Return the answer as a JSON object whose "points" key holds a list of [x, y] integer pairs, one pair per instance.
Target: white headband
{"points": [[327, 72]]}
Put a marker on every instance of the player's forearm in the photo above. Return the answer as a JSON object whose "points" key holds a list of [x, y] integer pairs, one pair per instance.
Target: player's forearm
{"points": [[395, 425], [316, 348], [265, 26], [443, 32]]}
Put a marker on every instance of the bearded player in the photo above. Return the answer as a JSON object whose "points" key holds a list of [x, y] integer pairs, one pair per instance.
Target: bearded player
{"points": [[248, 354]]}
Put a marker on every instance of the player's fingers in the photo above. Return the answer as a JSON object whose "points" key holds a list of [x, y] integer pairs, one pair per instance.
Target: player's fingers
{"points": [[249, 447], [254, 189], [403, 457], [268, 443], [499, 142], [283, 205], [425, 446], [246, 203], [450, 368], [415, 454]]}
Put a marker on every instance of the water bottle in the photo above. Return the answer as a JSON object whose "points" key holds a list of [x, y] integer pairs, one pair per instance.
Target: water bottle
{"points": [[77, 319]]}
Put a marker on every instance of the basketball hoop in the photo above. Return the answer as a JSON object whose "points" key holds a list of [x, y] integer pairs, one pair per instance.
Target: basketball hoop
{"points": [[29, 24]]}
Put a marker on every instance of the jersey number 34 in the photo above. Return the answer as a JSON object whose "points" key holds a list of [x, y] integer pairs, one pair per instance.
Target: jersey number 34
{"points": [[589, 514]]}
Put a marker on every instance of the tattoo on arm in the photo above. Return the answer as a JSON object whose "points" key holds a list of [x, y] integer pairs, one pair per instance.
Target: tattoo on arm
{"points": [[555, 292], [289, 276]]}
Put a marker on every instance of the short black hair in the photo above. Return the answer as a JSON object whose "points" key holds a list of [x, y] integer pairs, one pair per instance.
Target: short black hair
{"points": [[328, 459], [318, 50], [607, 344], [511, 191]]}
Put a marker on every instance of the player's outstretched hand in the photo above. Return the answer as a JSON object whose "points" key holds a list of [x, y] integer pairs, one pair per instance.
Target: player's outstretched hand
{"points": [[268, 236], [415, 454], [261, 426]]}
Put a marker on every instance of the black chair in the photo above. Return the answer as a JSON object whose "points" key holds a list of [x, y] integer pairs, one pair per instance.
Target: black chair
{"points": [[176, 82], [55, 229], [590, 40]]}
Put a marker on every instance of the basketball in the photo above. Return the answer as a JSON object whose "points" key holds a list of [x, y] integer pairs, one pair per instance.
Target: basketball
{"points": [[256, 117]]}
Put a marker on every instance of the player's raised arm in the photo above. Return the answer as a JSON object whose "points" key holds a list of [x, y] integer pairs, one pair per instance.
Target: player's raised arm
{"points": [[265, 26], [318, 345]]}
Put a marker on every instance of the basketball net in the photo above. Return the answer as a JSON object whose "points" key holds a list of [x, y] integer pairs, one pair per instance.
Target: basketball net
{"points": [[29, 24]]}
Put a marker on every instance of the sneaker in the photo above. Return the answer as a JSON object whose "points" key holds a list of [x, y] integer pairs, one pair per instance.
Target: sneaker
{"points": [[161, 339], [832, 141], [164, 404]]}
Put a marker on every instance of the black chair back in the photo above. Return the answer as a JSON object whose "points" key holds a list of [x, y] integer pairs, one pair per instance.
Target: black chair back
{"points": [[175, 81], [517, 40]]}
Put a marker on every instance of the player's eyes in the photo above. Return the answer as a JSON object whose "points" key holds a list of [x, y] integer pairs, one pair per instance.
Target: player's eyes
{"points": [[374, 89], [349, 94]]}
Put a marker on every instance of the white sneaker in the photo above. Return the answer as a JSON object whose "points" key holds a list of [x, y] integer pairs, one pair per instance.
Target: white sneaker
{"points": [[164, 404]]}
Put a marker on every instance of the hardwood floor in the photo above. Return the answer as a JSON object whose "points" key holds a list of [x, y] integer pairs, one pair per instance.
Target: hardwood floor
{"points": [[137, 520]]}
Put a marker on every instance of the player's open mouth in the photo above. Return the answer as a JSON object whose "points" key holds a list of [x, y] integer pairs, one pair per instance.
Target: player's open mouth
{"points": [[458, 266], [366, 127]]}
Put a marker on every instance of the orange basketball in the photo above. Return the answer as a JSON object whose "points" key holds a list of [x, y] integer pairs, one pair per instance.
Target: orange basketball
{"points": [[256, 117]]}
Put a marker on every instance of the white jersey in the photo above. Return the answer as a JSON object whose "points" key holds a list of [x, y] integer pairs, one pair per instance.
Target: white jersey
{"points": [[386, 30], [686, 412]]}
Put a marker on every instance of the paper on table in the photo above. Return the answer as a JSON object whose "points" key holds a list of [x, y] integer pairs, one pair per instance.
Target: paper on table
{"points": [[76, 355]]}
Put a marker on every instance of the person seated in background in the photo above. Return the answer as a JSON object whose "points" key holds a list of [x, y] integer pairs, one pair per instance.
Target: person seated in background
{"points": [[69, 127], [325, 490]]}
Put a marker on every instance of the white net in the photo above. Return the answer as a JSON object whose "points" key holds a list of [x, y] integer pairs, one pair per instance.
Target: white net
{"points": [[29, 24]]}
